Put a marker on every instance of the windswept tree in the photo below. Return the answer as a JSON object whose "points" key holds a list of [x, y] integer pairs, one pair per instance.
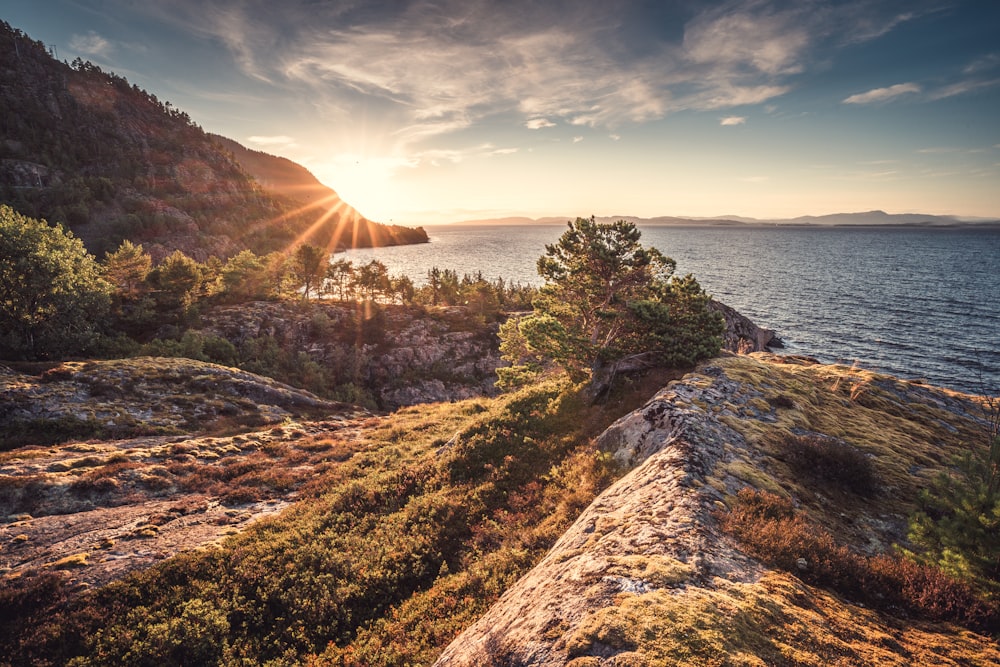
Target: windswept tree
{"points": [[308, 267], [372, 280], [339, 274], [52, 294], [609, 303]]}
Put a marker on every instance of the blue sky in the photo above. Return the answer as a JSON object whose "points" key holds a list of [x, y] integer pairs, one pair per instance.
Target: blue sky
{"points": [[420, 112]]}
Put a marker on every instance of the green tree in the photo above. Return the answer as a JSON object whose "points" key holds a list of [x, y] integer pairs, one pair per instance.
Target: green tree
{"points": [[309, 267], [178, 280], [126, 268], [402, 287], [609, 304], [372, 279], [339, 274], [245, 277], [957, 525], [52, 294]]}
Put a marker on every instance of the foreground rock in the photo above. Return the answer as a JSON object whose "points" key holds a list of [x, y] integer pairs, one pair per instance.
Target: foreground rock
{"points": [[99, 509], [645, 576], [742, 335]]}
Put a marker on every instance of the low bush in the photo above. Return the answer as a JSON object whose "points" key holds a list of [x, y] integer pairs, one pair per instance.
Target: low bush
{"points": [[769, 528], [830, 461]]}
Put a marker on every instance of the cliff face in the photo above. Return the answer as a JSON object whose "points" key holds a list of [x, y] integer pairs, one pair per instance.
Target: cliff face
{"points": [[402, 356], [645, 575]]}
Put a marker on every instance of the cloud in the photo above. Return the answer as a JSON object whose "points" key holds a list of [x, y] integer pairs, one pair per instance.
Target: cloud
{"points": [[90, 44], [538, 123], [279, 140], [732, 120], [768, 42], [614, 137], [419, 70], [961, 88], [578, 139], [986, 63], [879, 95]]}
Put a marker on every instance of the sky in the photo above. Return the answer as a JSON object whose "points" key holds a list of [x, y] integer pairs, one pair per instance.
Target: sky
{"points": [[423, 112]]}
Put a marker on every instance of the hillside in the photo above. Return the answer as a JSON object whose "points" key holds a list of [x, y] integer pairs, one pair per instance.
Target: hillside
{"points": [[647, 576], [531, 528], [84, 147]]}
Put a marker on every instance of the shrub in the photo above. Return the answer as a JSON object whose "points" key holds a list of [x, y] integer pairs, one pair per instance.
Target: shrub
{"points": [[830, 461], [768, 528]]}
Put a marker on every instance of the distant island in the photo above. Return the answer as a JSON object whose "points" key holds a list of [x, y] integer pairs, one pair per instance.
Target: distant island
{"points": [[860, 219]]}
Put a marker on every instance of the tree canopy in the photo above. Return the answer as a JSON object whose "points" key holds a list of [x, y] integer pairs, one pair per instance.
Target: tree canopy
{"points": [[608, 300], [52, 294]]}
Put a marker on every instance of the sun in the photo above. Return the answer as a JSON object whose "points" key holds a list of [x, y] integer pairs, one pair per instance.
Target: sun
{"points": [[364, 183]]}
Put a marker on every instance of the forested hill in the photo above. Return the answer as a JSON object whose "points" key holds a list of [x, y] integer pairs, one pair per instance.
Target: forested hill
{"points": [[281, 177], [86, 148]]}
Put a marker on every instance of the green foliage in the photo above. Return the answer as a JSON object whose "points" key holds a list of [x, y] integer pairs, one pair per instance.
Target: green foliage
{"points": [[957, 525], [245, 277], [308, 267], [178, 281], [52, 295], [399, 541], [371, 280], [608, 300], [127, 268]]}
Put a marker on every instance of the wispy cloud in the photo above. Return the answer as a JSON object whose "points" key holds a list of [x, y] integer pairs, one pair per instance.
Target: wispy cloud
{"points": [[430, 68], [880, 95], [91, 44], [938, 150], [988, 62], [577, 139], [732, 120], [538, 123], [962, 87]]}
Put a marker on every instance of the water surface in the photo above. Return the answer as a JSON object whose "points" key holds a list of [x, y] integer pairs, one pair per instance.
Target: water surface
{"points": [[921, 303]]}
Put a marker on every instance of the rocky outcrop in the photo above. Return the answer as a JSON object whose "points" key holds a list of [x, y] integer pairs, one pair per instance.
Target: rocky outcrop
{"points": [[163, 456], [145, 395], [407, 355], [402, 355], [644, 576], [742, 335]]}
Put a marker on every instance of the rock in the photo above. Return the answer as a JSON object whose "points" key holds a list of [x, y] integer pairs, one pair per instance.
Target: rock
{"points": [[742, 335], [594, 600]]}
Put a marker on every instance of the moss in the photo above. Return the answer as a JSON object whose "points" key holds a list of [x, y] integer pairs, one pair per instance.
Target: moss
{"points": [[70, 562], [776, 621], [657, 571]]}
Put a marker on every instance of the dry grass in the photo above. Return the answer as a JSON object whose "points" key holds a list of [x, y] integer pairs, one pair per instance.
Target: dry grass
{"points": [[774, 622]]}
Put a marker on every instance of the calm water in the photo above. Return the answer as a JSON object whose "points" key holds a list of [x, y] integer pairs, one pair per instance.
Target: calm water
{"points": [[912, 302]]}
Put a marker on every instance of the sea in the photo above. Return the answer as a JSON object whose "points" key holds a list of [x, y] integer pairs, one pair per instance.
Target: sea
{"points": [[918, 303]]}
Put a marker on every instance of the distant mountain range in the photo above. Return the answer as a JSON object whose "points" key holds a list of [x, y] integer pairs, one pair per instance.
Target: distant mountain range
{"points": [[85, 148], [867, 218]]}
